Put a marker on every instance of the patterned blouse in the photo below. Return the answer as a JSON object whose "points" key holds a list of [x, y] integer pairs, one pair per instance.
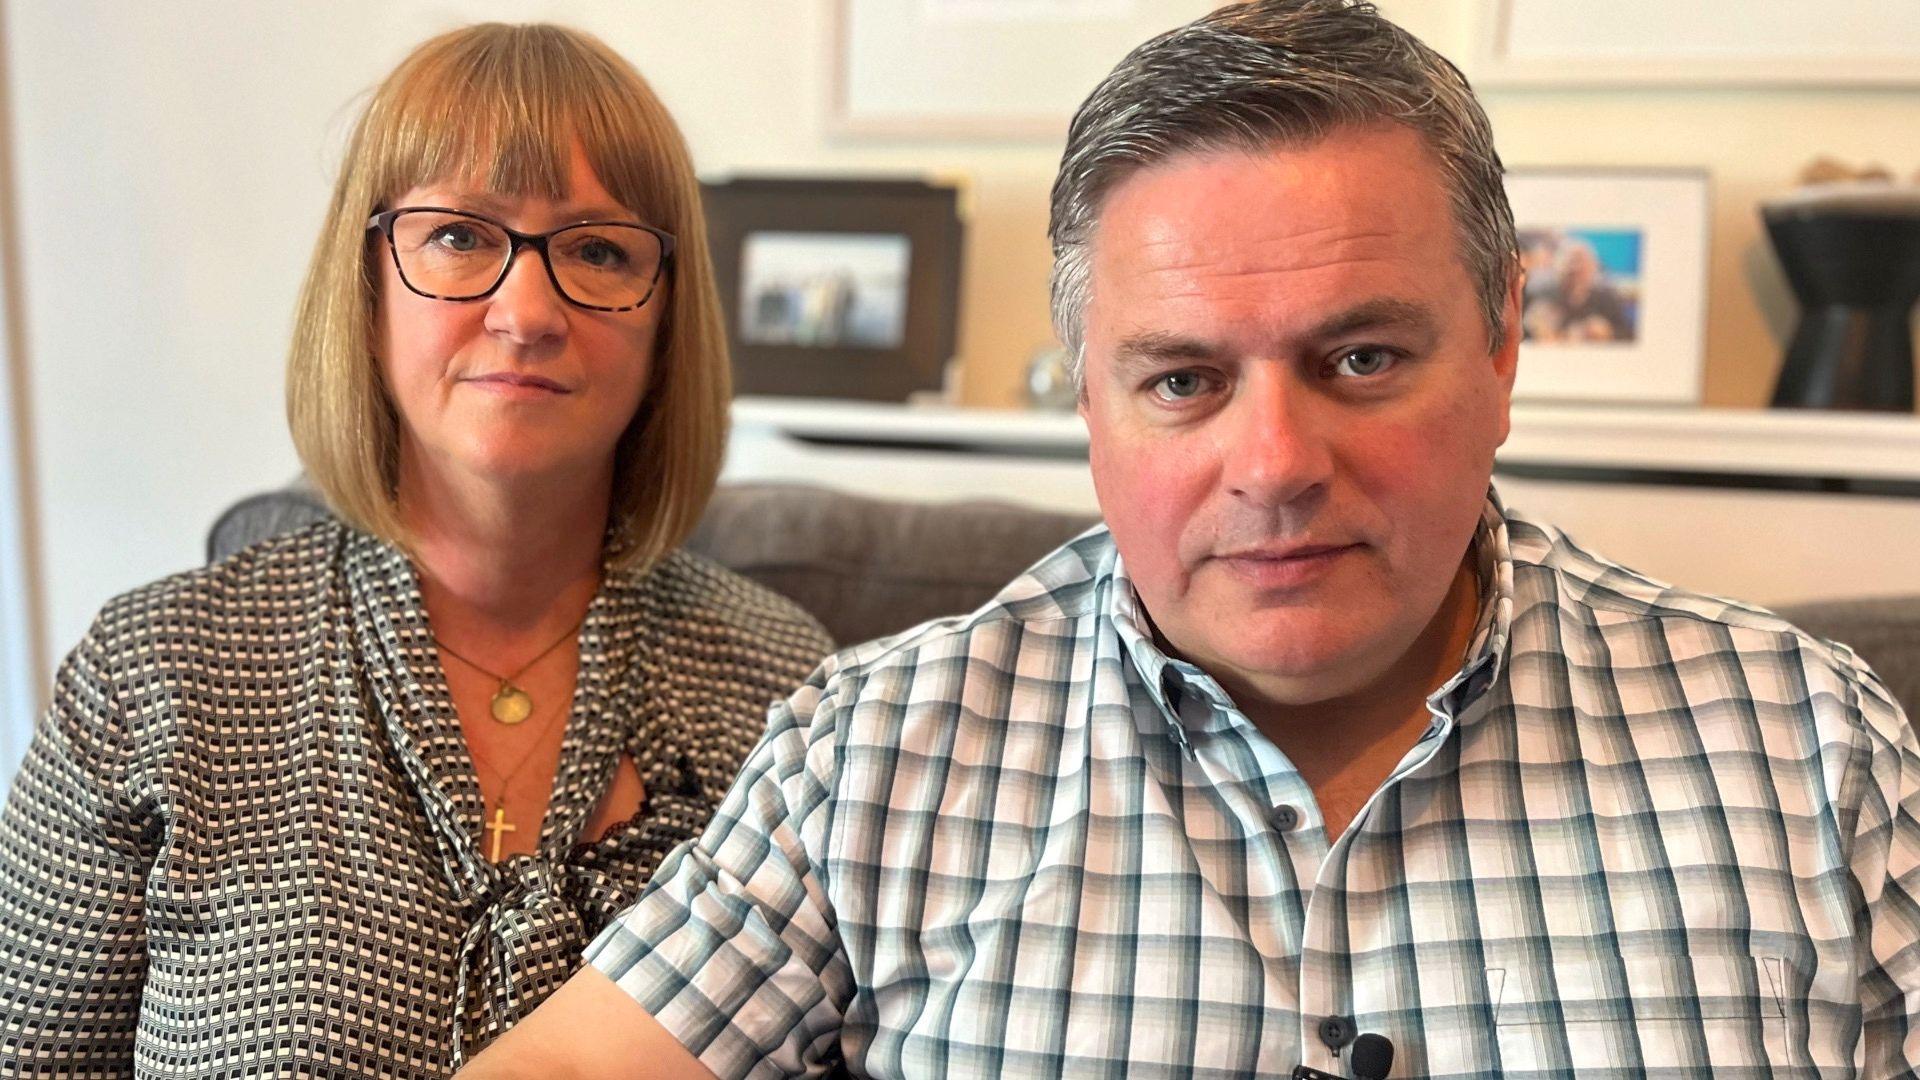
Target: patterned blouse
{"points": [[247, 840]]}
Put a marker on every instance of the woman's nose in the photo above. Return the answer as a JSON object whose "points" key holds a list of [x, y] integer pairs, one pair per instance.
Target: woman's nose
{"points": [[526, 308]]}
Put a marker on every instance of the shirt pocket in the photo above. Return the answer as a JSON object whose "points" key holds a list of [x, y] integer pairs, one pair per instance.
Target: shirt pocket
{"points": [[1591, 1013]]}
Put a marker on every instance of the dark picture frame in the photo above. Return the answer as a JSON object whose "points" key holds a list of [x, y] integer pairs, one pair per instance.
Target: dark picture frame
{"points": [[914, 338]]}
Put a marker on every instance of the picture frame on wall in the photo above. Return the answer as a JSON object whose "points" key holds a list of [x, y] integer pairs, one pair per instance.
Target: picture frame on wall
{"points": [[1614, 306], [836, 287], [1855, 43]]}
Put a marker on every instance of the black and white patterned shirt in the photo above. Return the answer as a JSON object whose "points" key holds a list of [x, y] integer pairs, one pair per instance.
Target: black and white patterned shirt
{"points": [[1647, 833], [247, 841]]}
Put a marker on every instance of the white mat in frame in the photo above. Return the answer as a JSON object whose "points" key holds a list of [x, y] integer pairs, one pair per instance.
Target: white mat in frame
{"points": [[1665, 213]]}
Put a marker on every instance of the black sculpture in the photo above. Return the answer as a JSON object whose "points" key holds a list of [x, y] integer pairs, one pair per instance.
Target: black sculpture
{"points": [[1851, 253]]}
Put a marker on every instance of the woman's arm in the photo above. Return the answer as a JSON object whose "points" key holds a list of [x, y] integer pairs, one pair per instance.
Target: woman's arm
{"points": [[589, 1028], [72, 886]]}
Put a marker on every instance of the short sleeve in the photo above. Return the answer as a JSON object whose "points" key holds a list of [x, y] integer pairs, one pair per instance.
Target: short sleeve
{"points": [[733, 947]]}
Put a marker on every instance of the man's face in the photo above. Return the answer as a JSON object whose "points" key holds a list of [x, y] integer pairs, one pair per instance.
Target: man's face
{"points": [[1292, 407], [1581, 268]]}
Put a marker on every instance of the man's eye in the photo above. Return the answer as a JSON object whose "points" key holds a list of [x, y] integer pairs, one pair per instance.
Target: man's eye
{"points": [[1364, 362], [1180, 384]]}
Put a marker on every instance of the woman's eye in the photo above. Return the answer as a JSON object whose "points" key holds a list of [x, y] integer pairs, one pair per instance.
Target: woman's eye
{"points": [[1364, 362], [1180, 384], [601, 254], [455, 237]]}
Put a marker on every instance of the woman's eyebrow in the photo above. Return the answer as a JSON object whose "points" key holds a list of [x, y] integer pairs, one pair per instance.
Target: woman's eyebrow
{"points": [[599, 212], [497, 206]]}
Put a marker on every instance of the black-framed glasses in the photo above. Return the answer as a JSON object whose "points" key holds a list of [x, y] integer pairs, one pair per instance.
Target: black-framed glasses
{"points": [[447, 254]]}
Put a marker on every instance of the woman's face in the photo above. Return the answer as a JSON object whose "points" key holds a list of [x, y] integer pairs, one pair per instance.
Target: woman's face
{"points": [[519, 385]]}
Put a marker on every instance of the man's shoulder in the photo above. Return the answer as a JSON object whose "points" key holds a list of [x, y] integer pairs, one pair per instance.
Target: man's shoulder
{"points": [[1050, 605], [1550, 566], [1599, 613]]}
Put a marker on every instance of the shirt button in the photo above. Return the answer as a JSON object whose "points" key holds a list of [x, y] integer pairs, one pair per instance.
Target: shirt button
{"points": [[1285, 817], [1336, 1032]]}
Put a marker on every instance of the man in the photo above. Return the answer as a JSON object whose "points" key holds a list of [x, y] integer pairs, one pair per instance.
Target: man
{"points": [[1579, 303], [1317, 740]]}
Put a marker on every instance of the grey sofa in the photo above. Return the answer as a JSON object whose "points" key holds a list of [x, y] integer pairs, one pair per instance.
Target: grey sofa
{"points": [[868, 567]]}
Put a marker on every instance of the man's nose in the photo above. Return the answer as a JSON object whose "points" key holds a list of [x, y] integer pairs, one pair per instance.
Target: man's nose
{"points": [[1279, 450], [526, 308]]}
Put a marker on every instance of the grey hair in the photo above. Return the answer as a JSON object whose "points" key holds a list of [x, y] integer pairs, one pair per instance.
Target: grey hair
{"points": [[1277, 73]]}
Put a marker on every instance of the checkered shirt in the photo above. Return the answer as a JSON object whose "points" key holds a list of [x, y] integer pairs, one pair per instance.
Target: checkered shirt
{"points": [[1647, 833]]}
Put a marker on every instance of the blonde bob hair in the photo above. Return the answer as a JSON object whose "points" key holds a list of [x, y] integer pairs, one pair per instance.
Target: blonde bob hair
{"points": [[503, 106]]}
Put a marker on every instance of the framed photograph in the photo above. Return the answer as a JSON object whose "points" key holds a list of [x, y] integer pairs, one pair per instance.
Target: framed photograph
{"points": [[836, 288], [981, 68], [1698, 43], [1615, 299]]}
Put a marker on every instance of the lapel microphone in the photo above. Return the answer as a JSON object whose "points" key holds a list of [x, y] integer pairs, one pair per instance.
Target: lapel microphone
{"points": [[1371, 1059]]}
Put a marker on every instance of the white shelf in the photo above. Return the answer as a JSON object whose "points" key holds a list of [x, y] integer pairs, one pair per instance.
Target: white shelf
{"points": [[1774, 442], [1774, 543], [1792, 443], [883, 422]]}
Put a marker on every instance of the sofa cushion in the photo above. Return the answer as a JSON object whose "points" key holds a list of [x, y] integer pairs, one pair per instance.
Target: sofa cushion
{"points": [[863, 567], [870, 567], [257, 517]]}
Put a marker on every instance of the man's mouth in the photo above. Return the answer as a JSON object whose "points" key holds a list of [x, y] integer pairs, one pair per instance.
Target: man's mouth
{"points": [[1284, 565]]}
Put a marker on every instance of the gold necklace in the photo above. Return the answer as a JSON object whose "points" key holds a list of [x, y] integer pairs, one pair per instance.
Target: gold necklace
{"points": [[510, 704], [498, 826]]}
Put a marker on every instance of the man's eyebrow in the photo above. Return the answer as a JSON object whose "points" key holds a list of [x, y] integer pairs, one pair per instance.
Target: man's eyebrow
{"points": [[1385, 312], [1152, 349]]}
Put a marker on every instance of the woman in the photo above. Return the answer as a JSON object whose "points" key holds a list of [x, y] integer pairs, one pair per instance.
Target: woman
{"points": [[352, 801]]}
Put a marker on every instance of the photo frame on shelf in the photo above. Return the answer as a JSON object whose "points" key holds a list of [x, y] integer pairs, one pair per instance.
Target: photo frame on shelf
{"points": [[1615, 300], [991, 69], [1702, 43], [836, 288]]}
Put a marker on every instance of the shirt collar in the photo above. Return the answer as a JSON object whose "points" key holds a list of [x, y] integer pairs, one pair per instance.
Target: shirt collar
{"points": [[1486, 653], [1184, 692]]}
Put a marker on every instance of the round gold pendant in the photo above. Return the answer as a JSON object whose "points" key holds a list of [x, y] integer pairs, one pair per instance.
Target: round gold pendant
{"points": [[511, 704]]}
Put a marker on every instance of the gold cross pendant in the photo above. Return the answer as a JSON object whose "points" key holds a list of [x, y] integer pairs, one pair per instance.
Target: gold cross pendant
{"points": [[499, 826]]}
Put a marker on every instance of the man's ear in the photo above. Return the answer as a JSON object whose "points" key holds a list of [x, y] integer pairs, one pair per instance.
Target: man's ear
{"points": [[1506, 355]]}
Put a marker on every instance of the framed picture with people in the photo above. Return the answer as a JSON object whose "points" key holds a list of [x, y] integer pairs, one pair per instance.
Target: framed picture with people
{"points": [[842, 288], [1614, 306]]}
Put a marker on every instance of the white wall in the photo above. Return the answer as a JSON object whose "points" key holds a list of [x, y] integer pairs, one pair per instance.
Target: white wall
{"points": [[172, 161], [22, 660], [169, 176]]}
